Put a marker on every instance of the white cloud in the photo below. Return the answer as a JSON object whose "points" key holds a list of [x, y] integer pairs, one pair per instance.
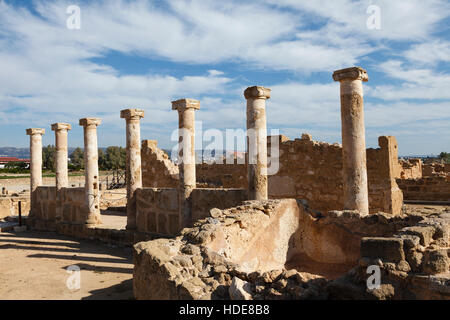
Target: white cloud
{"points": [[400, 20], [429, 53], [47, 74], [418, 83]]}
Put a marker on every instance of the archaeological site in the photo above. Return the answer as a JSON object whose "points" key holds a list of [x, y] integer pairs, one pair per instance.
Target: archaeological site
{"points": [[296, 219]]}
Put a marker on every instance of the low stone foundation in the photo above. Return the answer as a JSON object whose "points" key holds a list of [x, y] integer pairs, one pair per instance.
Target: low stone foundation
{"points": [[414, 264], [9, 205], [433, 188], [259, 250]]}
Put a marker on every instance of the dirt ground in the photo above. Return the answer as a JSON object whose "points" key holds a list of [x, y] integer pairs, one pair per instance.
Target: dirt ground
{"points": [[20, 184], [34, 266]]}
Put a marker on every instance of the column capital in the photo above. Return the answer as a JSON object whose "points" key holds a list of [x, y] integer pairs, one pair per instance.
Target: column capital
{"points": [[183, 104], [353, 73], [34, 131], [257, 92], [134, 114], [61, 126], [86, 122]]}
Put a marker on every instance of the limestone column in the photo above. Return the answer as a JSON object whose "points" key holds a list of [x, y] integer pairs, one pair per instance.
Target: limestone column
{"points": [[35, 162], [61, 154], [186, 125], [257, 142], [133, 166], [353, 138], [91, 169]]}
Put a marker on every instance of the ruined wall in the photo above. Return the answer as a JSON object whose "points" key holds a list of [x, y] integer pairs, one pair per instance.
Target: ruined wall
{"points": [[70, 205], [9, 205], [312, 170], [204, 199], [433, 188], [409, 169], [414, 264], [222, 175], [73, 205], [382, 168], [158, 171], [434, 168], [157, 209], [44, 206], [253, 245], [308, 170]]}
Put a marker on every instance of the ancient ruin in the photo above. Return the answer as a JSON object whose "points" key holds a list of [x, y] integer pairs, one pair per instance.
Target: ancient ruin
{"points": [[313, 230]]}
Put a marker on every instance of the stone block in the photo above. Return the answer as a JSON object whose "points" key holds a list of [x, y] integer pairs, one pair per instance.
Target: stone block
{"points": [[425, 233], [386, 249], [436, 261]]}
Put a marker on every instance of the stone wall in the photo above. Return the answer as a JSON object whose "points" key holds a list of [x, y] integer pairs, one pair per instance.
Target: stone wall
{"points": [[73, 205], [308, 170], [414, 264], [433, 188], [9, 205], [222, 175], [157, 209], [410, 169], [44, 206], [204, 199], [434, 168], [248, 252], [312, 170], [69, 207], [158, 171]]}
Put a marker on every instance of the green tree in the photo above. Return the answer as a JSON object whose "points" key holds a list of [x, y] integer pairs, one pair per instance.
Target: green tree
{"points": [[77, 159], [445, 156], [102, 160], [115, 158], [48, 157], [16, 167]]}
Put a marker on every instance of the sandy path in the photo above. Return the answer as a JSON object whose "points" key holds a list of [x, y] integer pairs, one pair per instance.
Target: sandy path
{"points": [[33, 266]]}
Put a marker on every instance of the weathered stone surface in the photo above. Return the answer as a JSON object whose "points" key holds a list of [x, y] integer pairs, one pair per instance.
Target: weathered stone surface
{"points": [[133, 164], [436, 261], [424, 233], [387, 249], [308, 170], [92, 182], [257, 142], [240, 290], [353, 138]]}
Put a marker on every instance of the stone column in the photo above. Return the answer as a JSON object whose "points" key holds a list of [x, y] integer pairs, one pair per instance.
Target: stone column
{"points": [[62, 176], [91, 170], [35, 162], [186, 125], [353, 138], [257, 142], [133, 166]]}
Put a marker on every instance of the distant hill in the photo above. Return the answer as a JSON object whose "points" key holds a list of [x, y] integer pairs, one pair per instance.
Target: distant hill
{"points": [[22, 153]]}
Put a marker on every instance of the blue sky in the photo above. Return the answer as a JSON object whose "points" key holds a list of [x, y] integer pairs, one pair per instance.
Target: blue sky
{"points": [[147, 53]]}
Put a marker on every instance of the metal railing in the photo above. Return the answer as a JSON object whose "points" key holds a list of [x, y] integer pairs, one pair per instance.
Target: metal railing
{"points": [[114, 180]]}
